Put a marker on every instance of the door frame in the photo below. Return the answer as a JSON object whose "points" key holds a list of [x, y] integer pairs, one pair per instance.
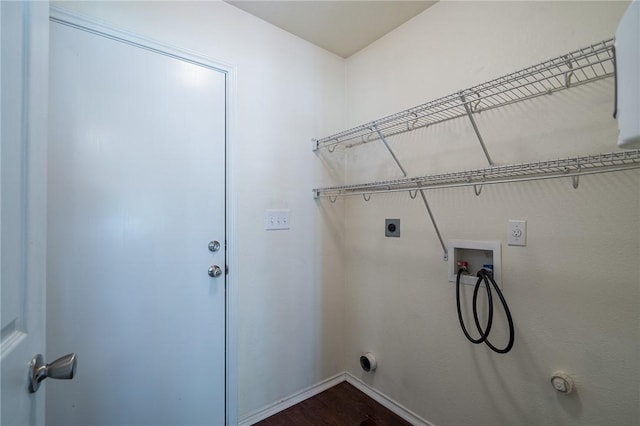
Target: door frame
{"points": [[83, 23]]}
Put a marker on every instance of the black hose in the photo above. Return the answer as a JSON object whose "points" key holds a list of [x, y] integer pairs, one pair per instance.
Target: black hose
{"points": [[486, 278], [483, 335], [507, 313], [474, 305]]}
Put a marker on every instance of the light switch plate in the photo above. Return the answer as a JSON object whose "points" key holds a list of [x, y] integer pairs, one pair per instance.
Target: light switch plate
{"points": [[517, 233], [277, 219]]}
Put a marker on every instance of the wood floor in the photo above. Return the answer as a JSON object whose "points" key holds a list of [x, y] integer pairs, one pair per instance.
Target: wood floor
{"points": [[341, 405]]}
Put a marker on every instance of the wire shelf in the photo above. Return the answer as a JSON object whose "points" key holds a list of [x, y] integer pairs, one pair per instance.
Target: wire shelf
{"points": [[582, 66], [549, 169]]}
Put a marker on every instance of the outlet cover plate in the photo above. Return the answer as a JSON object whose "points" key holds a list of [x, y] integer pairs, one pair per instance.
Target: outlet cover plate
{"points": [[517, 233], [392, 228]]}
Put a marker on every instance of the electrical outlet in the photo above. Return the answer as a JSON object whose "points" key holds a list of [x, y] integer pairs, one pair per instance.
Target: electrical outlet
{"points": [[392, 227], [517, 233], [277, 220]]}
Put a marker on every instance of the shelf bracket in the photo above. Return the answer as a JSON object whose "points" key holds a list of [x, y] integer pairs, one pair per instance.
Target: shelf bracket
{"points": [[568, 74], [475, 128], [575, 180], [422, 194]]}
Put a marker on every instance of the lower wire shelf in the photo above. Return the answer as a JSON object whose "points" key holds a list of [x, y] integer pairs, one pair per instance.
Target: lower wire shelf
{"points": [[538, 170]]}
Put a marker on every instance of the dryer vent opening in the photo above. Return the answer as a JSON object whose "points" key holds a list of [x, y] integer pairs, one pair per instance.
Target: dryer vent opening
{"points": [[368, 362]]}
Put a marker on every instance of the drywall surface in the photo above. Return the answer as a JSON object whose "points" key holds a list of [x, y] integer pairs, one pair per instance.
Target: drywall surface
{"points": [[286, 92], [574, 290]]}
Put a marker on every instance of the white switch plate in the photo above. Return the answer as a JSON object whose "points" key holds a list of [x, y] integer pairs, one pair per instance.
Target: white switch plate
{"points": [[517, 233], [277, 219]]}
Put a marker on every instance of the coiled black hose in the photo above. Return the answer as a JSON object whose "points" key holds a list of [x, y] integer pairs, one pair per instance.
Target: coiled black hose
{"points": [[486, 278]]}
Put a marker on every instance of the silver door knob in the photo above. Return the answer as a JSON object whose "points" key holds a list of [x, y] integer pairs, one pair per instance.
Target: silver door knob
{"points": [[215, 271], [62, 368]]}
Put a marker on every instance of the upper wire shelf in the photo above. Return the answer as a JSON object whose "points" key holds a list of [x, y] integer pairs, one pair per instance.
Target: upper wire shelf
{"points": [[549, 169], [581, 66]]}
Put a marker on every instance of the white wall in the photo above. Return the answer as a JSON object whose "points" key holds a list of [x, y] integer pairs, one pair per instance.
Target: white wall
{"points": [[574, 290], [287, 91]]}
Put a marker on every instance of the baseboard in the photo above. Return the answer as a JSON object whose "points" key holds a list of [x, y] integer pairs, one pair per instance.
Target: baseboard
{"points": [[387, 402], [292, 400]]}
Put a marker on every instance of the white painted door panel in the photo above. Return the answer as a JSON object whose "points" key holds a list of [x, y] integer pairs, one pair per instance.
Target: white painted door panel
{"points": [[24, 38], [136, 192]]}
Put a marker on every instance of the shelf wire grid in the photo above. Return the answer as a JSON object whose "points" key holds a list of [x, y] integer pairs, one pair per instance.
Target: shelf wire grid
{"points": [[581, 66], [548, 169]]}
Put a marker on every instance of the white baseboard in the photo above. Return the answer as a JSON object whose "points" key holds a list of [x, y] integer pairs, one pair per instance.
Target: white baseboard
{"points": [[290, 401], [294, 399], [387, 402]]}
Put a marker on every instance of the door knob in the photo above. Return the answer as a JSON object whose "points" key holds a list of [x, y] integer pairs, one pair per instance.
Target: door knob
{"points": [[63, 368], [215, 271]]}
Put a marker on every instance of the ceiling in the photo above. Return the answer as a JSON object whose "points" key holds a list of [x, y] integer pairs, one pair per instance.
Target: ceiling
{"points": [[342, 27]]}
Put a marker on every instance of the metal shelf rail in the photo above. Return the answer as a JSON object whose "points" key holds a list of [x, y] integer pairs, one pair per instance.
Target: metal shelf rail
{"points": [[549, 169], [582, 66]]}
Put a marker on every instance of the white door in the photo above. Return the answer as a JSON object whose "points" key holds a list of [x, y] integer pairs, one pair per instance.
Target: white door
{"points": [[24, 33], [136, 191]]}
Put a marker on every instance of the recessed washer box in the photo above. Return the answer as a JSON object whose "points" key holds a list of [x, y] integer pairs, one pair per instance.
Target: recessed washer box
{"points": [[476, 254]]}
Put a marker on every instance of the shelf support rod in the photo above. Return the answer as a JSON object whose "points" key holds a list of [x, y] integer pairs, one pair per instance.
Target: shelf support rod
{"points": [[475, 129], [422, 194]]}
